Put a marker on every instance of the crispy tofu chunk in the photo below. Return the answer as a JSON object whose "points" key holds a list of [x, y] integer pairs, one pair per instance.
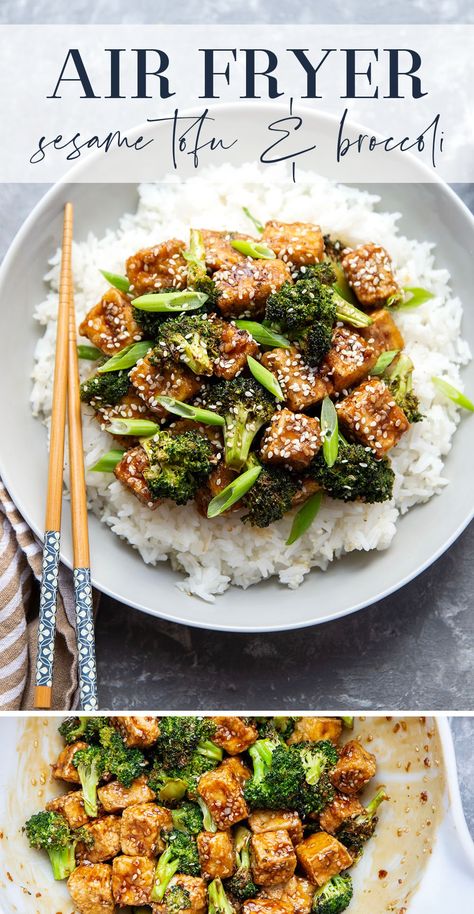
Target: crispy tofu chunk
{"points": [[245, 287], [114, 796], [349, 359], [238, 767], [129, 471], [216, 853], [368, 270], [312, 729], [160, 267], [217, 480], [234, 734], [91, 889], [234, 347], [196, 888], [273, 857], [131, 406], [302, 385], [106, 834], [266, 820], [354, 769], [322, 856], [221, 790], [382, 334], [155, 377], [110, 324], [297, 892], [267, 906], [291, 440], [296, 243], [137, 732], [141, 829], [64, 769], [132, 880], [308, 488], [219, 250], [371, 415], [338, 811], [71, 806]]}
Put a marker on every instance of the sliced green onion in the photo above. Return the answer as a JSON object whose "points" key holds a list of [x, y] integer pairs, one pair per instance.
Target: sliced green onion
{"points": [[88, 352], [412, 297], [120, 282], [127, 358], [168, 302], [383, 361], [108, 461], [453, 394], [265, 378], [253, 249], [206, 416], [233, 492], [304, 517], [258, 225], [140, 428], [264, 335], [329, 429]]}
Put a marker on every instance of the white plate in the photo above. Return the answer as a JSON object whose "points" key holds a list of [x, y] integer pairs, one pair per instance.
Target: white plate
{"points": [[431, 212]]}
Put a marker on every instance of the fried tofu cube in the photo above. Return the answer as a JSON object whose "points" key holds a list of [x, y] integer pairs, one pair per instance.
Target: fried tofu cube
{"points": [[354, 769], [339, 811], [273, 857], [308, 488], [155, 377], [234, 734], [322, 856], [263, 905], [349, 359], [131, 406], [219, 250], [297, 892], [114, 796], [302, 385], [312, 729], [221, 790], [137, 732], [64, 769], [216, 853], [141, 829], [382, 334], [217, 480], [371, 415], [71, 806], [110, 324], [244, 287], [239, 768], [132, 880], [368, 270], [197, 891], [296, 243], [90, 888], [160, 267], [291, 440], [106, 834], [234, 347], [129, 471], [266, 820]]}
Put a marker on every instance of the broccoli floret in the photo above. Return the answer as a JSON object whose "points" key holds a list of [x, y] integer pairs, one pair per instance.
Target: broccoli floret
{"points": [[181, 855], [181, 737], [165, 869], [356, 475], [198, 277], [290, 777], [241, 884], [176, 898], [399, 379], [356, 831], [188, 818], [105, 389], [192, 339], [285, 726], [334, 896], [178, 464], [150, 321], [246, 406], [171, 785], [85, 728], [119, 760], [270, 497], [218, 903], [49, 831], [90, 768], [276, 728]]}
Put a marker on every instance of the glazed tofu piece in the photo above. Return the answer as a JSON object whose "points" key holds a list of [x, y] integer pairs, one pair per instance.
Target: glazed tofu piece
{"points": [[129, 471], [297, 892], [308, 488], [132, 880], [296, 243], [217, 480], [114, 796], [219, 250], [197, 891], [64, 769], [322, 856], [368, 270], [350, 358], [131, 406], [239, 768], [273, 857], [371, 415], [141, 829], [291, 440], [312, 729], [382, 334], [267, 906], [91, 889], [110, 324], [302, 385], [245, 287], [155, 377], [235, 345], [71, 806], [137, 732], [234, 734], [221, 790], [106, 835], [354, 769], [160, 267], [216, 853], [339, 811], [267, 820]]}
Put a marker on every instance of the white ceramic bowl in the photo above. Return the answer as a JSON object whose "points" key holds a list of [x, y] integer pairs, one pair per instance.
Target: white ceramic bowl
{"points": [[431, 212]]}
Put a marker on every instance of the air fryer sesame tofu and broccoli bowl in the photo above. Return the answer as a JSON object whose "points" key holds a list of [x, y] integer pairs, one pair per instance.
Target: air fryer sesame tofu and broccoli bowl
{"points": [[259, 402]]}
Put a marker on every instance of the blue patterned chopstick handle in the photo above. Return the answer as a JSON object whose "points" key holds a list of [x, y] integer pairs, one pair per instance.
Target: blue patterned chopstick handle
{"points": [[85, 639], [47, 611]]}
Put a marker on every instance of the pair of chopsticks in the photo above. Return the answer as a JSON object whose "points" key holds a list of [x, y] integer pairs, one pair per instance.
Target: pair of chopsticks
{"points": [[66, 393]]}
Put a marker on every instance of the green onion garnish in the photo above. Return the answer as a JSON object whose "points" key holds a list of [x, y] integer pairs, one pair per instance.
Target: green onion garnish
{"points": [[304, 517], [329, 429], [264, 335], [140, 428], [233, 492], [383, 361], [253, 249], [120, 282], [411, 297], [168, 302], [265, 378], [108, 461], [127, 358], [206, 416], [258, 225], [453, 394], [88, 352]]}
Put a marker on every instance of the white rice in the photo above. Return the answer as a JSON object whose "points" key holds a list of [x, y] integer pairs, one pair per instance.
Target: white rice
{"points": [[215, 554]]}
